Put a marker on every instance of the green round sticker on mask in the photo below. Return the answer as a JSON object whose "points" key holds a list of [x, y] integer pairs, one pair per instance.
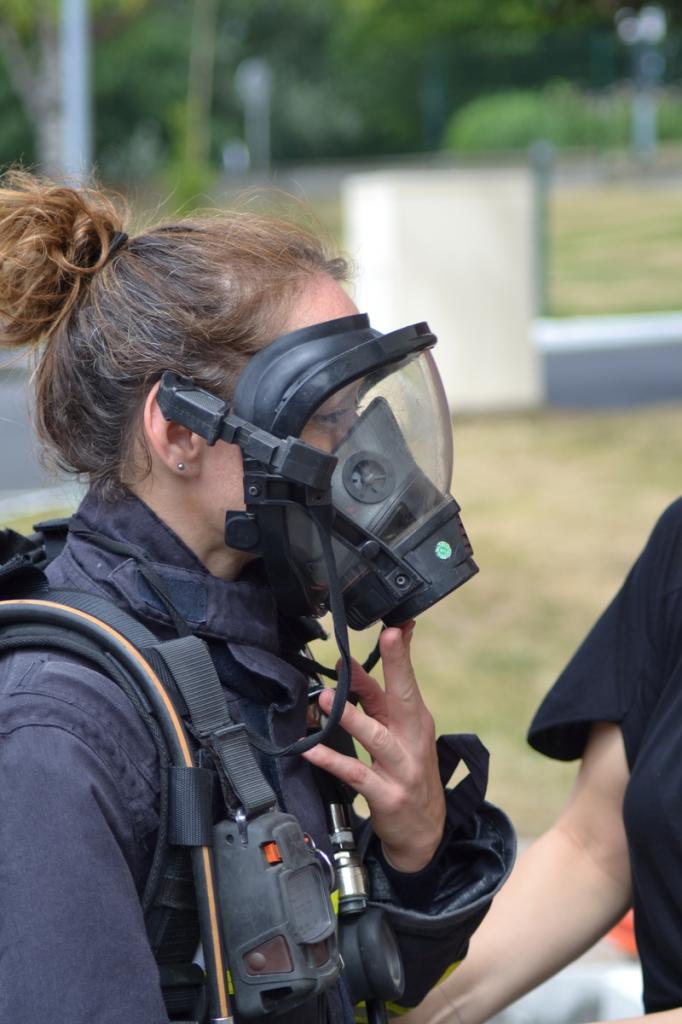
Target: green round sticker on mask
{"points": [[443, 549]]}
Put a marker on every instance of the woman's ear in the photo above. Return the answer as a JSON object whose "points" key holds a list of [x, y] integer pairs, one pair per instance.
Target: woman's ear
{"points": [[174, 446]]}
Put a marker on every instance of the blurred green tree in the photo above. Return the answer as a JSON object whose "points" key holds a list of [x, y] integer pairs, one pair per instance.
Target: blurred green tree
{"points": [[351, 77], [29, 48]]}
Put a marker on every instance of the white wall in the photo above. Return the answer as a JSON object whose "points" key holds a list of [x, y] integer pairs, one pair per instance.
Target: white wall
{"points": [[455, 248]]}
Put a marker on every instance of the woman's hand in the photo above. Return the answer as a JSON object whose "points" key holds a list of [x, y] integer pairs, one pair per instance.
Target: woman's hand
{"points": [[402, 786]]}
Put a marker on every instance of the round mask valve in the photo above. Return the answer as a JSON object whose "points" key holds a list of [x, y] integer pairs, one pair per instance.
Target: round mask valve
{"points": [[368, 477]]}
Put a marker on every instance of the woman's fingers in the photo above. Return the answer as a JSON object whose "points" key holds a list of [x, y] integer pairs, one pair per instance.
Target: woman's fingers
{"points": [[369, 693], [373, 734], [353, 772], [396, 712], [402, 692]]}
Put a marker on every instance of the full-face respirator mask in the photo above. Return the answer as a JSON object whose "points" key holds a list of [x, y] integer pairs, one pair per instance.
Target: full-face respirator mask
{"points": [[345, 432]]}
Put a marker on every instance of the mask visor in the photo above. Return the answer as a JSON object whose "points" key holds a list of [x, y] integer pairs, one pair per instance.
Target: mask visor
{"points": [[392, 436]]}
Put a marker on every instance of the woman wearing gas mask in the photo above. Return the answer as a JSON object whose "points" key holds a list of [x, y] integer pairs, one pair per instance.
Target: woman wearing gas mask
{"points": [[255, 455]]}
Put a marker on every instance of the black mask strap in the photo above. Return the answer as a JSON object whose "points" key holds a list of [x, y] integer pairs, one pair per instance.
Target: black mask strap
{"points": [[311, 666], [336, 607], [374, 655]]}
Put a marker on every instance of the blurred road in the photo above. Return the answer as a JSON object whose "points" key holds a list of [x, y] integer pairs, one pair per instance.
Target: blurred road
{"points": [[19, 467], [604, 378], [611, 361]]}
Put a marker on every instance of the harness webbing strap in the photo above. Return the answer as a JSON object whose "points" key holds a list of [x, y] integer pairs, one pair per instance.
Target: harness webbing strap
{"points": [[191, 806], [197, 680]]}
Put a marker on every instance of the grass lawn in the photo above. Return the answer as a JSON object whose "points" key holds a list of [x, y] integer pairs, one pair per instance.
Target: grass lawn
{"points": [[24, 524], [615, 249]]}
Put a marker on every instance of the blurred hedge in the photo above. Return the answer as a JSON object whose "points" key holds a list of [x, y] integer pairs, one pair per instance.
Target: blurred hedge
{"points": [[559, 113]]}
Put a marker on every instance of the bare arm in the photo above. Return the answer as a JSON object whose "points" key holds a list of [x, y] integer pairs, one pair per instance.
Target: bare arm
{"points": [[566, 891]]}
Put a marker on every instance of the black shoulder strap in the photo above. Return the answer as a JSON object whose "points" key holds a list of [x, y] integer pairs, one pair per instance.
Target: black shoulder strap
{"points": [[244, 785]]}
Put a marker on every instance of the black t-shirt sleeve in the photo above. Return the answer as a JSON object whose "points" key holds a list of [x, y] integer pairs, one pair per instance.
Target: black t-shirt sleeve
{"points": [[617, 672]]}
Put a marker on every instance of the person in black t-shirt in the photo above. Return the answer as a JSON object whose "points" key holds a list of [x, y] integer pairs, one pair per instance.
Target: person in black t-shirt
{"points": [[618, 841]]}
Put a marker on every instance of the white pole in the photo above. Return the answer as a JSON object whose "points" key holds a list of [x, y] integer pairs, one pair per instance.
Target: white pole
{"points": [[75, 80], [253, 80]]}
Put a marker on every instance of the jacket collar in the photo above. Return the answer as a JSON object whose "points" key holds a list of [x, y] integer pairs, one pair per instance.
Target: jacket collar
{"points": [[240, 612]]}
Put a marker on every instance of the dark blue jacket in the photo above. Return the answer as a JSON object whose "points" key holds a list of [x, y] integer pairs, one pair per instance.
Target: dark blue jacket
{"points": [[79, 792]]}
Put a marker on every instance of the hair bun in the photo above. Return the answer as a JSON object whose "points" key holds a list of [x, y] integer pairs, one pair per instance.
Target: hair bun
{"points": [[52, 240]]}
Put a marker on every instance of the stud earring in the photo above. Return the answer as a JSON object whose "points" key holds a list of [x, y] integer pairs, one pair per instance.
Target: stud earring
{"points": [[181, 466]]}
